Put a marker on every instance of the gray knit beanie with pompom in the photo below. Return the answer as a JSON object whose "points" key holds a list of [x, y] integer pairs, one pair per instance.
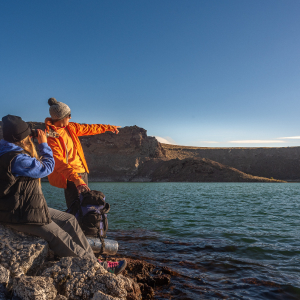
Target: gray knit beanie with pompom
{"points": [[58, 110]]}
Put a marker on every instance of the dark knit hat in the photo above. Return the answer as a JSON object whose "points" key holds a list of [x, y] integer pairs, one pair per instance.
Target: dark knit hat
{"points": [[14, 129], [58, 110]]}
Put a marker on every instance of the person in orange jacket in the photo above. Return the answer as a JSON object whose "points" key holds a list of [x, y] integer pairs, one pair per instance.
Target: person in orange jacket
{"points": [[71, 170]]}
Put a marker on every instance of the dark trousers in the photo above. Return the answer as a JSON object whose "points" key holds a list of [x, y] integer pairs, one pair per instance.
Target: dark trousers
{"points": [[63, 234], [71, 193]]}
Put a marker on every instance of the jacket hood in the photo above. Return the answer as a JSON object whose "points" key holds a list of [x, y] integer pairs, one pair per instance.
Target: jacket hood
{"points": [[8, 147]]}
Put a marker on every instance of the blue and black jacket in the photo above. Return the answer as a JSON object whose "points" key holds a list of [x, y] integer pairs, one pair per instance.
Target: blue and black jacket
{"points": [[21, 196]]}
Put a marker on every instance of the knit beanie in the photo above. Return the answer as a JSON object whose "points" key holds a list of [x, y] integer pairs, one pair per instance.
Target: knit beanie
{"points": [[14, 129], [58, 110]]}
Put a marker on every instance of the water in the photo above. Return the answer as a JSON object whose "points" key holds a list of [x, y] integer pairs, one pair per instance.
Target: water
{"points": [[226, 240]]}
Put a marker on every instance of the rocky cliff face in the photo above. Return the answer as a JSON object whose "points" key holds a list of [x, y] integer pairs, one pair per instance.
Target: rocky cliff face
{"points": [[280, 163], [120, 157], [197, 170], [133, 156]]}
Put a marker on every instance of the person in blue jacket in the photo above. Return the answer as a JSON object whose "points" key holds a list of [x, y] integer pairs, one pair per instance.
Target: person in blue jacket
{"points": [[22, 203]]}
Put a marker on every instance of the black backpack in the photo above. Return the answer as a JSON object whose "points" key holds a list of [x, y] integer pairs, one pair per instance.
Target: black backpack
{"points": [[91, 212]]}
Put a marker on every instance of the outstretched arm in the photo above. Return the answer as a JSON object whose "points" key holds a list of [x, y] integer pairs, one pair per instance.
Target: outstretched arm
{"points": [[86, 129]]}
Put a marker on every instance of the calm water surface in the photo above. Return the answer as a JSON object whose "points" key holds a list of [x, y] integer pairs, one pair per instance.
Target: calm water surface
{"points": [[226, 240]]}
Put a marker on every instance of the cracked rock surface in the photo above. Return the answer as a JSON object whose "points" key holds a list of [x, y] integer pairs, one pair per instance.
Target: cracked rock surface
{"points": [[4, 275], [61, 297], [70, 278], [34, 288], [20, 253], [81, 278], [101, 296]]}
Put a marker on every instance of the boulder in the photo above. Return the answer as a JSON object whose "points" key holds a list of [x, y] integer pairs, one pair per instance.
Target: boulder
{"points": [[70, 278], [81, 278], [34, 288], [21, 253]]}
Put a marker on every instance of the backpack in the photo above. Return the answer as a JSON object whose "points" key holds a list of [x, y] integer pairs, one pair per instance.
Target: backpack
{"points": [[91, 212]]}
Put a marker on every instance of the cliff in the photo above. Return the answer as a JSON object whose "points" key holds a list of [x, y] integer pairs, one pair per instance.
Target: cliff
{"points": [[280, 163], [120, 157], [195, 170], [133, 156]]}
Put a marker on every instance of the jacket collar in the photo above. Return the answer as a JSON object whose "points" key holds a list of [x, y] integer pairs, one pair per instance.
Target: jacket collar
{"points": [[49, 124]]}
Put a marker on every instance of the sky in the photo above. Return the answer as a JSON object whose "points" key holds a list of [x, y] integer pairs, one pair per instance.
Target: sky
{"points": [[214, 73]]}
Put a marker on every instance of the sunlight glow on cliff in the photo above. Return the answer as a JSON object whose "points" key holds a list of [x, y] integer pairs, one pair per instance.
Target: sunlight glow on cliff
{"points": [[166, 140]]}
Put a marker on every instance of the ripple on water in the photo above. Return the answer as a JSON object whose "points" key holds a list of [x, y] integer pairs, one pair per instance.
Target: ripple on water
{"points": [[227, 240]]}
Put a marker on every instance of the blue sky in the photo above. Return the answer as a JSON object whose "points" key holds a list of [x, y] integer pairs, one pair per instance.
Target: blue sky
{"points": [[209, 73]]}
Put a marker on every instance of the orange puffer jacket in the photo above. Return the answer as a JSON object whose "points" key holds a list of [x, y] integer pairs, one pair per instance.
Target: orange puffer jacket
{"points": [[62, 170]]}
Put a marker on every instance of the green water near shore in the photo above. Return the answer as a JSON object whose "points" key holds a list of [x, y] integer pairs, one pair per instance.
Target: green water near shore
{"points": [[232, 230]]}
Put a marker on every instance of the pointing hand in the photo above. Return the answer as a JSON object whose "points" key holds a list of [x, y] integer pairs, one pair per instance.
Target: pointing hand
{"points": [[116, 131]]}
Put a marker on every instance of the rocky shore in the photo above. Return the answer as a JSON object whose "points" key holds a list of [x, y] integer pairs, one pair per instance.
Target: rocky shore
{"points": [[30, 271]]}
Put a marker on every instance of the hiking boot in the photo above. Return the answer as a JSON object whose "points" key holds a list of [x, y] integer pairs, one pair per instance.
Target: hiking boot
{"points": [[114, 267]]}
